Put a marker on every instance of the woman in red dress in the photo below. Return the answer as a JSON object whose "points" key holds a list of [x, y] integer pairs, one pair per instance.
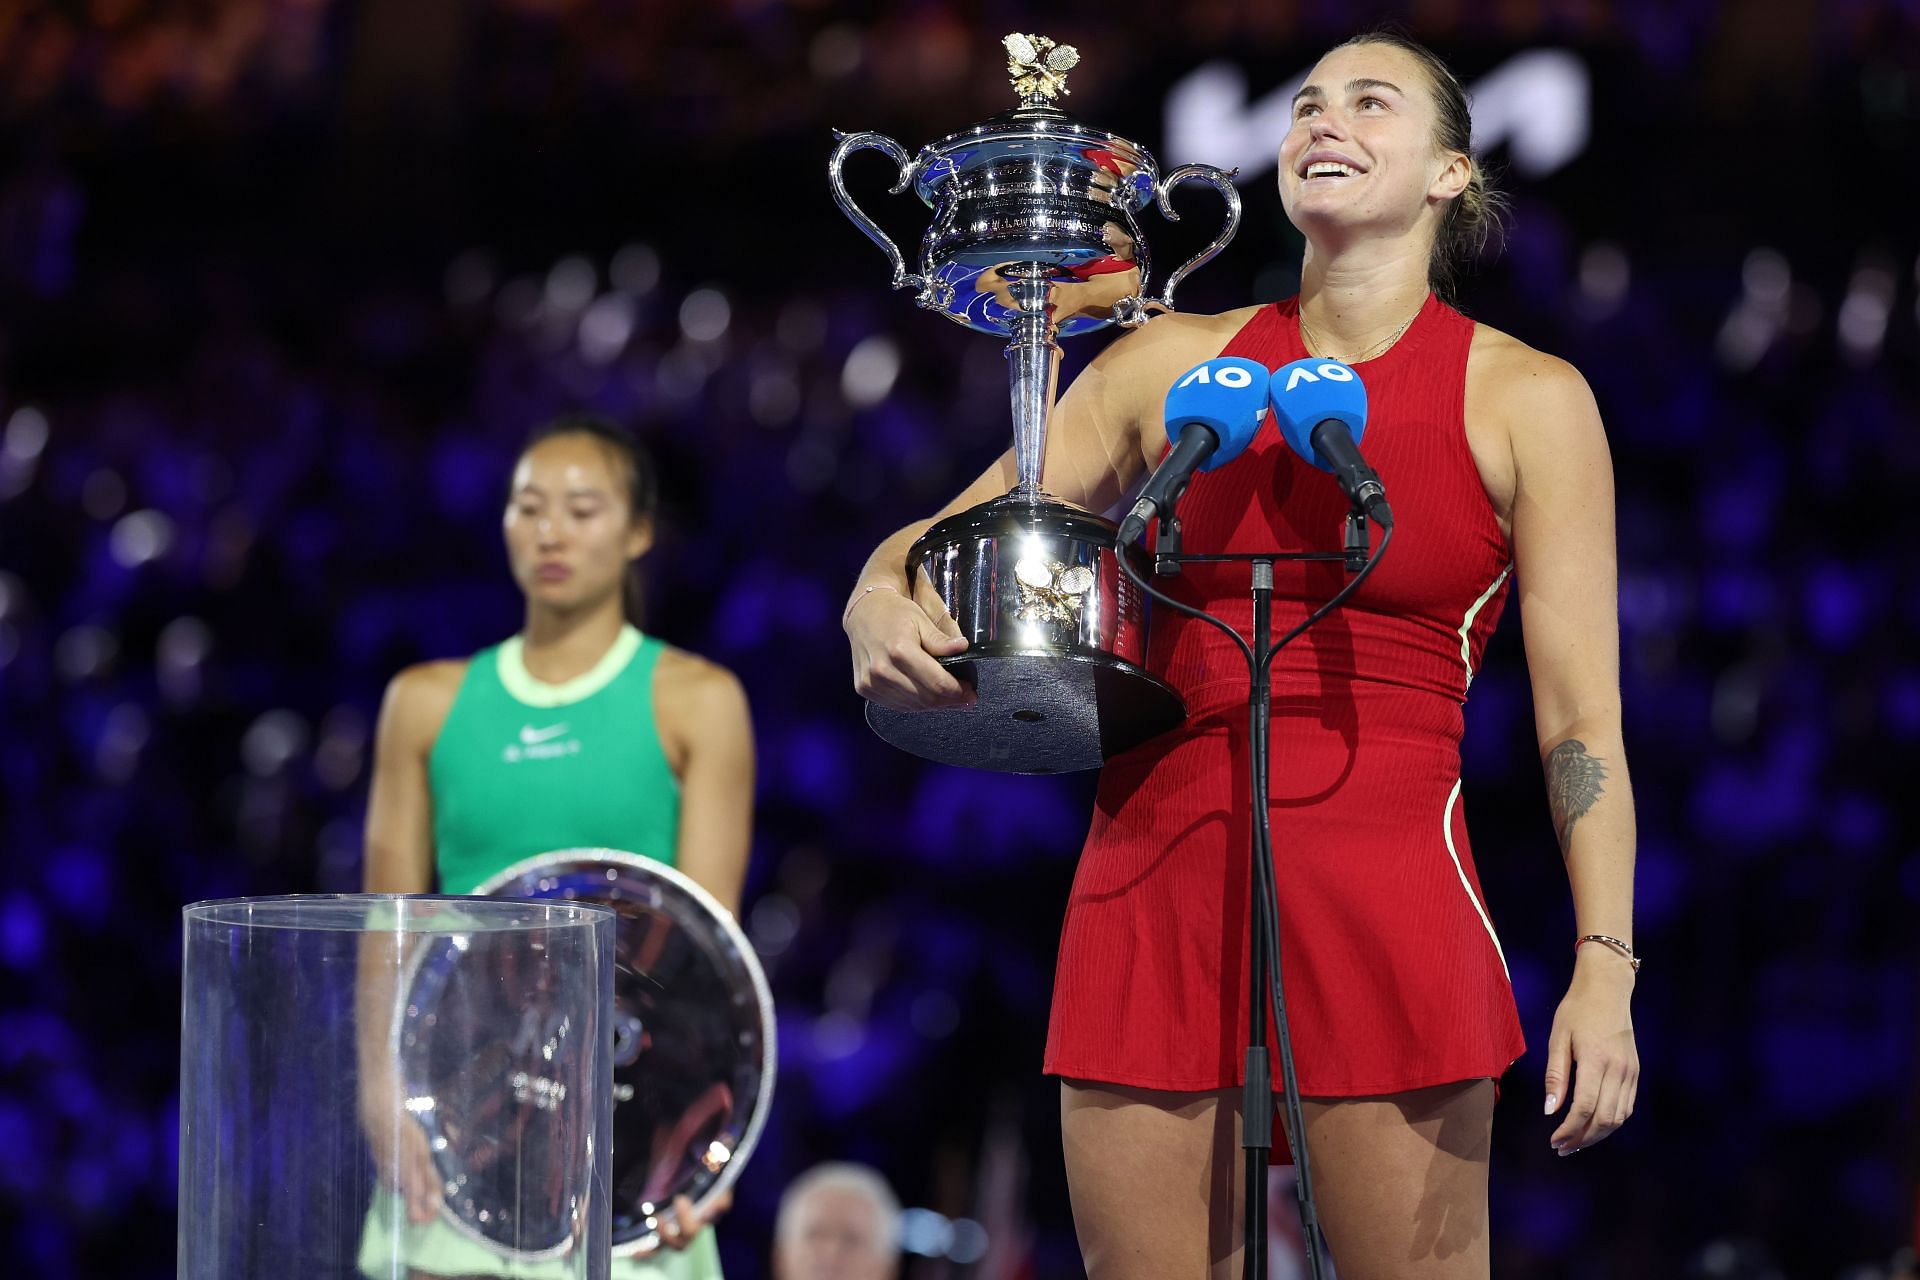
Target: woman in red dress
{"points": [[1397, 988]]}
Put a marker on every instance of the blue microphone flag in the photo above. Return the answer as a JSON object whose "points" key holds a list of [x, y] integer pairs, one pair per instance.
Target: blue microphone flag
{"points": [[1228, 396], [1307, 393]]}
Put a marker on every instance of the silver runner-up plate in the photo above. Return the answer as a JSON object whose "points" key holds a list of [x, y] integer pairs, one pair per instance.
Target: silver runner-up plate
{"points": [[693, 1048]]}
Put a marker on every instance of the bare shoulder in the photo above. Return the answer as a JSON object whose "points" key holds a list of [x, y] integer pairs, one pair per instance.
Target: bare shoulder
{"points": [[418, 699], [1144, 363], [1522, 385], [1177, 338], [1522, 405], [697, 704], [688, 683], [1198, 326], [424, 684]]}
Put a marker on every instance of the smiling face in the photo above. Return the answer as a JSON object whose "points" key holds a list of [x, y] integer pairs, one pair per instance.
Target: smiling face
{"points": [[1361, 155], [569, 524]]}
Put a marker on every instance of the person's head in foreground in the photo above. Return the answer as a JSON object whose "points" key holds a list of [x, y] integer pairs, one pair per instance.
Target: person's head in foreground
{"points": [[837, 1221]]}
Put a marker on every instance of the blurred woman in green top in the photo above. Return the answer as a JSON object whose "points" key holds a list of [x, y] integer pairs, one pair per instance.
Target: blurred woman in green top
{"points": [[578, 732]]}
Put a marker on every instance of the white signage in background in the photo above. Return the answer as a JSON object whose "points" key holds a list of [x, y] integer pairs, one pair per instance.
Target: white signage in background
{"points": [[1539, 103]]}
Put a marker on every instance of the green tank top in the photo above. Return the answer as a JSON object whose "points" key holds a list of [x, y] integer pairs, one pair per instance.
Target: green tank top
{"points": [[521, 767]]}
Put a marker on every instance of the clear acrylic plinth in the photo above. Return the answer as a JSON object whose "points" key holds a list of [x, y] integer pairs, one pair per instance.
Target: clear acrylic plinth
{"points": [[395, 1086]]}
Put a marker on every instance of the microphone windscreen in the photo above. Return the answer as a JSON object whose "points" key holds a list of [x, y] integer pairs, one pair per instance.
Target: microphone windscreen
{"points": [[1308, 392], [1228, 395]]}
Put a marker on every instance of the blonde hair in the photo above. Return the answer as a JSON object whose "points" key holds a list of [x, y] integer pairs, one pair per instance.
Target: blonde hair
{"points": [[1477, 216]]}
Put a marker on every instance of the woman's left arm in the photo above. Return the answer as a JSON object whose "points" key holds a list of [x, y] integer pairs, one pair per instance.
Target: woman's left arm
{"points": [[716, 782], [713, 740], [1566, 566]]}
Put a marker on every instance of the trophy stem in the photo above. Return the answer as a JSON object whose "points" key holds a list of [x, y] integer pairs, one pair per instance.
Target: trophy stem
{"points": [[1035, 359]]}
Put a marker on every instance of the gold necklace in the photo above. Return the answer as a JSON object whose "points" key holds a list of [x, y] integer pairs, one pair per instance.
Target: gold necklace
{"points": [[1313, 344]]}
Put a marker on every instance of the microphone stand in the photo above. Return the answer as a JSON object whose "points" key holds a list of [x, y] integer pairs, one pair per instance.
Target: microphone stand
{"points": [[1263, 954]]}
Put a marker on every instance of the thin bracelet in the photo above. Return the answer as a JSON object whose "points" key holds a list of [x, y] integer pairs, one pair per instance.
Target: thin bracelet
{"points": [[1625, 950], [855, 602]]}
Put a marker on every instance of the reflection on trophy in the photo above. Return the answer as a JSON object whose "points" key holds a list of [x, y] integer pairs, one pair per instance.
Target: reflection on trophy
{"points": [[1035, 236], [693, 1050]]}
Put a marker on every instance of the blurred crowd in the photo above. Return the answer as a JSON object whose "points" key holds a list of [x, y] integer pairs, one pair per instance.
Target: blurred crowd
{"points": [[281, 291]]}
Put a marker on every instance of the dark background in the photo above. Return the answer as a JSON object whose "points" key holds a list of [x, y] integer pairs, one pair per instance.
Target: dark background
{"points": [[284, 282]]}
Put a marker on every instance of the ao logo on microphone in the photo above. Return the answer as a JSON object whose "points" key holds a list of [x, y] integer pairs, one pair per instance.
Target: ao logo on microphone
{"points": [[1331, 371], [1206, 375]]}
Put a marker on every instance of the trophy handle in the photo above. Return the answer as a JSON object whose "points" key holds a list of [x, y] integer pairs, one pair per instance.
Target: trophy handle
{"points": [[1132, 312], [870, 141]]}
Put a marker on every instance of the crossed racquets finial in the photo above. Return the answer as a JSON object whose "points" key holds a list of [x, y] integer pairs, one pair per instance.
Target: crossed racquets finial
{"points": [[1039, 67]]}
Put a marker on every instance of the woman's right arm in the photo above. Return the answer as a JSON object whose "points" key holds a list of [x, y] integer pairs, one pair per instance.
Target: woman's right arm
{"points": [[399, 834], [1101, 438], [399, 859]]}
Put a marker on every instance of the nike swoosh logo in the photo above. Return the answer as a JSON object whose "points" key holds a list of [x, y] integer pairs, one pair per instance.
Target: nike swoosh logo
{"points": [[532, 737]]}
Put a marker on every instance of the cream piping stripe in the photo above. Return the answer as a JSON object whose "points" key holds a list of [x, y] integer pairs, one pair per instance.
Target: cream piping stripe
{"points": [[520, 684], [1466, 627], [1446, 829]]}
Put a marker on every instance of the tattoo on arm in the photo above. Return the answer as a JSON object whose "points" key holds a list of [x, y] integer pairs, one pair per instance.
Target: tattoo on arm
{"points": [[1573, 784]]}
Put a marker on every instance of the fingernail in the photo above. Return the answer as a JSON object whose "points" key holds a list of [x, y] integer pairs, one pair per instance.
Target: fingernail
{"points": [[1553, 1100]]}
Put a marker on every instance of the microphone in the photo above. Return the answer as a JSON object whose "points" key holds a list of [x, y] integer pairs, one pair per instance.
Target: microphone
{"points": [[1212, 414], [1321, 407]]}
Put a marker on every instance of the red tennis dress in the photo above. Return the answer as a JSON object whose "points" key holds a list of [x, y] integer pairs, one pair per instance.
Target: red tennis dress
{"points": [[1394, 976]]}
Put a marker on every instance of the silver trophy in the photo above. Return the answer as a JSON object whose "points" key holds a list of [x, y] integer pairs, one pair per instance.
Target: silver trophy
{"points": [[1035, 236], [693, 1056]]}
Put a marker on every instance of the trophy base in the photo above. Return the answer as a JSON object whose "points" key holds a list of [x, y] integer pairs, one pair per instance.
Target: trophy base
{"points": [[1037, 712]]}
